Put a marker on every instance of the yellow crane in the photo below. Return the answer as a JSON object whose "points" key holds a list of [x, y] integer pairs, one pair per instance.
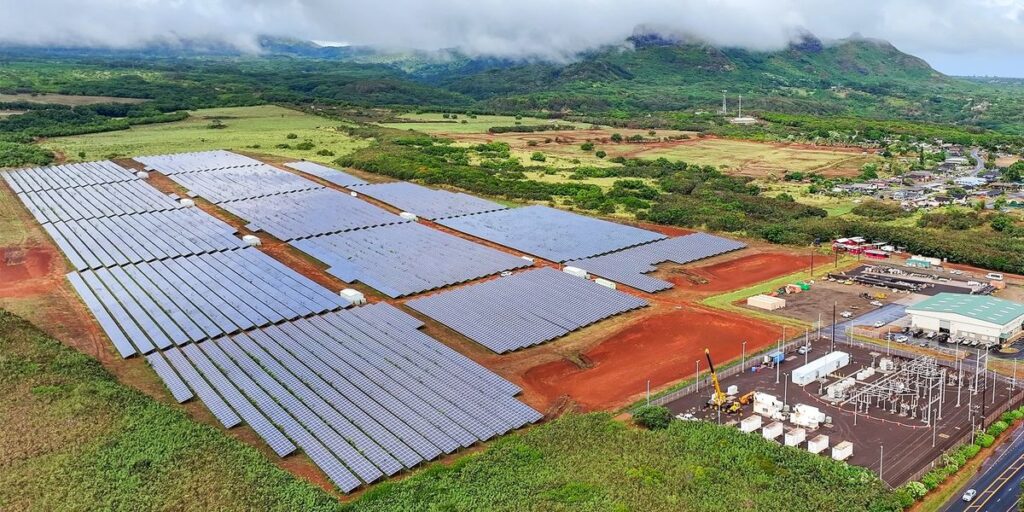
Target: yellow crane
{"points": [[718, 399]]}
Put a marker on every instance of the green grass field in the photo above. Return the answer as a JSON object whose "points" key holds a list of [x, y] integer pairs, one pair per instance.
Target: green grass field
{"points": [[64, 99], [249, 129], [434, 123], [73, 438]]}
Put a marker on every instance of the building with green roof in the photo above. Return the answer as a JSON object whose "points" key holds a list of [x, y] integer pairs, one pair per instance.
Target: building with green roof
{"points": [[980, 317]]}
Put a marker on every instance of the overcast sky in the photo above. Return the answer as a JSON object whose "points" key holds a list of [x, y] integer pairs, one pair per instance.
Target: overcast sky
{"points": [[981, 37]]}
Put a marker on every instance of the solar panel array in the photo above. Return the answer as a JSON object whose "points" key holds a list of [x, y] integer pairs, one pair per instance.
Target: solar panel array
{"points": [[232, 184], [309, 213], [94, 201], [524, 309], [140, 237], [38, 179], [405, 259], [362, 392], [629, 265], [147, 306], [197, 161], [427, 202], [552, 234], [326, 173]]}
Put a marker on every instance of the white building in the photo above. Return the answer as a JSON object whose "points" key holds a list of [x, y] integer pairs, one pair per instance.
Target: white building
{"points": [[979, 317]]}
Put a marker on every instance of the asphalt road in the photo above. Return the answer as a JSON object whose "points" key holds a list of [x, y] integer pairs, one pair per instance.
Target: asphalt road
{"points": [[998, 484]]}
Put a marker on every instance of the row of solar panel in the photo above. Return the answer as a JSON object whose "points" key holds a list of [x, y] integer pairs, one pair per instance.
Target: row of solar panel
{"points": [[328, 174], [428, 203], [141, 237], [309, 213], [362, 392], [232, 184], [146, 306], [552, 234], [194, 162], [524, 309], [94, 201], [629, 265], [405, 259], [55, 177]]}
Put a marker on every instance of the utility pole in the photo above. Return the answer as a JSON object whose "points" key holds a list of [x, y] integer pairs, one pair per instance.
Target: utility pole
{"points": [[833, 346], [648, 391], [807, 343], [881, 465], [785, 392], [696, 376], [743, 360]]}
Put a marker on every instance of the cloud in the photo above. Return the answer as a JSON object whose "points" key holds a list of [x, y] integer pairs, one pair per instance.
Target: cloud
{"points": [[540, 29]]}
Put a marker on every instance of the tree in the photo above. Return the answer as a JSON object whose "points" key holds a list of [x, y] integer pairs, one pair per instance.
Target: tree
{"points": [[587, 146], [616, 137], [869, 172], [1015, 172], [1002, 222], [653, 417], [600, 154], [291, 136], [537, 156]]}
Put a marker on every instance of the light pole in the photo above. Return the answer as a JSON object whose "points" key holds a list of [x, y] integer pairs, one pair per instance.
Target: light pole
{"points": [[785, 392], [881, 459], [648, 391], [743, 360], [696, 376]]}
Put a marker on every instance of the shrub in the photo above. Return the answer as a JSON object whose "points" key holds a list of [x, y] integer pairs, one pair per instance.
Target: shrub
{"points": [[537, 156], [653, 417], [587, 146], [325, 152], [997, 428], [600, 154], [291, 136], [305, 146], [984, 440]]}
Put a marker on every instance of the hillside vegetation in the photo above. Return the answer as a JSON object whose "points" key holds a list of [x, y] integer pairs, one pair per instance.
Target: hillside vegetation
{"points": [[73, 438]]}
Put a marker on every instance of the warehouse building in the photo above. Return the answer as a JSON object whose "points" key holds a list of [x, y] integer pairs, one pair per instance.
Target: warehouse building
{"points": [[978, 317]]}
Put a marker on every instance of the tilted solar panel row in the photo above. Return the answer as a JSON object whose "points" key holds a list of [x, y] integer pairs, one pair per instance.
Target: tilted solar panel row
{"points": [[94, 201], [428, 203], [552, 234], [164, 303], [232, 184], [629, 265], [326, 173], [37, 179], [140, 237], [405, 259], [309, 213], [194, 162], [524, 309], [360, 391]]}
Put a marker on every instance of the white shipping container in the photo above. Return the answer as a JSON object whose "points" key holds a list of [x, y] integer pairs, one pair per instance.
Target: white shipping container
{"points": [[578, 272], [604, 282], [772, 431], [766, 405], [750, 424], [795, 436], [842, 451], [818, 444], [820, 367], [356, 297], [766, 302]]}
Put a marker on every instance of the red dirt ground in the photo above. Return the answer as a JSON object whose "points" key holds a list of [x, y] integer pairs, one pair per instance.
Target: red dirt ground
{"points": [[743, 272], [663, 348]]}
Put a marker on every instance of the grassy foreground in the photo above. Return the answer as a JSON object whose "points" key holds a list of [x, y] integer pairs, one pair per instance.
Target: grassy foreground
{"points": [[260, 129], [73, 438], [592, 463]]}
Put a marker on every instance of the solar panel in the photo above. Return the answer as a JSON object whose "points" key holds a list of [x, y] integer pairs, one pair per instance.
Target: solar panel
{"points": [[428, 203], [196, 161], [552, 234], [310, 213], [232, 184], [524, 309], [629, 265], [38, 179], [405, 259], [187, 299], [326, 173], [95, 201]]}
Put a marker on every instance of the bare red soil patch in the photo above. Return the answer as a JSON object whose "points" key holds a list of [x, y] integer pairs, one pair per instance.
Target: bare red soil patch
{"points": [[663, 348], [27, 271], [742, 272]]}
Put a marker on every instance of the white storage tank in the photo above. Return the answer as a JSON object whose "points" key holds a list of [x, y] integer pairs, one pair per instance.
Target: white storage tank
{"points": [[142, 174], [578, 272], [820, 367], [795, 437], [187, 202], [408, 216], [356, 297], [604, 282], [766, 302], [818, 444], [842, 451], [354, 194], [750, 424], [772, 431], [527, 258], [252, 240]]}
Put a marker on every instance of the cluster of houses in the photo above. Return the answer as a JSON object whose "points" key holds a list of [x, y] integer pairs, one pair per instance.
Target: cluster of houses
{"points": [[860, 245]]}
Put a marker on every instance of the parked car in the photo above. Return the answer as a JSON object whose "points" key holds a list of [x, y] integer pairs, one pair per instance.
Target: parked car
{"points": [[995, 276], [900, 338], [942, 338], [969, 495], [846, 314], [877, 303], [879, 324], [930, 335], [803, 349]]}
